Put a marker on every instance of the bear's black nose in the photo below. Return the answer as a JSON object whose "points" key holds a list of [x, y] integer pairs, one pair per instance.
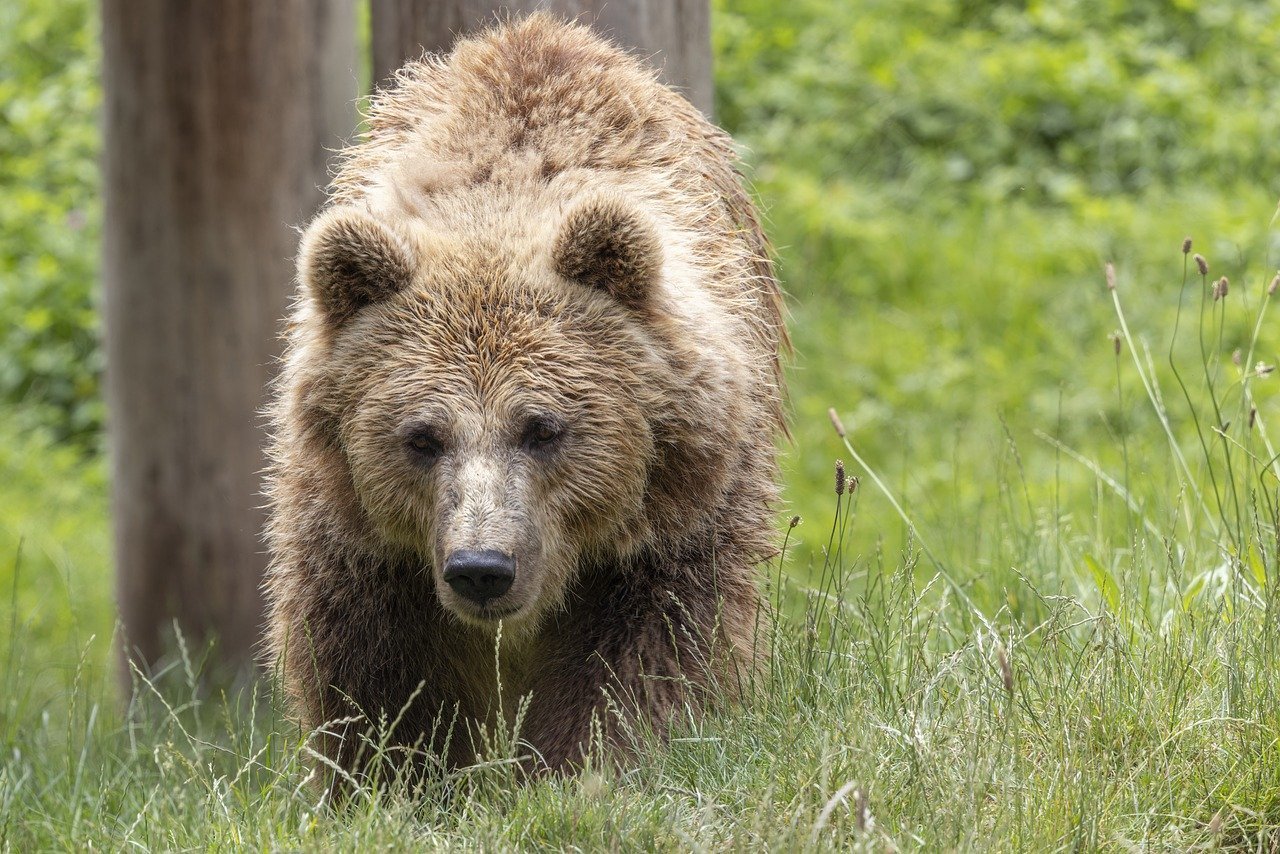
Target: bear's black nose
{"points": [[479, 575]]}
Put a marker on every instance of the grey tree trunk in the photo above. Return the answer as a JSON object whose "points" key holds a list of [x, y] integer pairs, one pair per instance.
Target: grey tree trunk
{"points": [[674, 34], [218, 121]]}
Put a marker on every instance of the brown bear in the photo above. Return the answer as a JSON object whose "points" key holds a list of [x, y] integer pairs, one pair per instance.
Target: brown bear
{"points": [[531, 386]]}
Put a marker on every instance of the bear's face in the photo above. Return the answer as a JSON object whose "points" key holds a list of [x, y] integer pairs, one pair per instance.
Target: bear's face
{"points": [[495, 415]]}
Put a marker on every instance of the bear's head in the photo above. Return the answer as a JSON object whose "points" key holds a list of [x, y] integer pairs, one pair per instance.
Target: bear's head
{"points": [[510, 415]]}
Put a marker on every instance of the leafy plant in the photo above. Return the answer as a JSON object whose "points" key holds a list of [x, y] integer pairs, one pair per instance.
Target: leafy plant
{"points": [[50, 353]]}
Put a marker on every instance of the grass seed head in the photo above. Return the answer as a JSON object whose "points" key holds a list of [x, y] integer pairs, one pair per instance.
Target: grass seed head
{"points": [[1274, 286], [1115, 341], [1220, 288], [1006, 670], [840, 477], [795, 520], [835, 421], [1186, 245], [1111, 276], [1253, 416], [1201, 264]]}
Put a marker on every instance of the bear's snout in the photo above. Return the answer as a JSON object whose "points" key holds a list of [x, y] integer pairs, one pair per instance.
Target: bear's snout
{"points": [[479, 576]]}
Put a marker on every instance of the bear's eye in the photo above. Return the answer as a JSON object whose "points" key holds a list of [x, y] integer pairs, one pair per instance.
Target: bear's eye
{"points": [[542, 433], [425, 443]]}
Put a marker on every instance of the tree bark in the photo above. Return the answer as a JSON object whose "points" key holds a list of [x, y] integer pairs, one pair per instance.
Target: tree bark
{"points": [[219, 118], [674, 34]]}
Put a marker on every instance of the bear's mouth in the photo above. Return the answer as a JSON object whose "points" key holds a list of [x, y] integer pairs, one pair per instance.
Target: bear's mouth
{"points": [[490, 613], [485, 614]]}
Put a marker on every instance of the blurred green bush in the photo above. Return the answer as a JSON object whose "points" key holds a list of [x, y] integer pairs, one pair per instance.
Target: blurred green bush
{"points": [[1049, 101], [50, 211]]}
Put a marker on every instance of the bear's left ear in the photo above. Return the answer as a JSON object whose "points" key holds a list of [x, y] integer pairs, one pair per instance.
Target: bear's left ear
{"points": [[606, 244]]}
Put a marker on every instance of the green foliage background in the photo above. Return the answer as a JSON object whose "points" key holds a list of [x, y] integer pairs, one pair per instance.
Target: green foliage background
{"points": [[50, 216], [1051, 102]]}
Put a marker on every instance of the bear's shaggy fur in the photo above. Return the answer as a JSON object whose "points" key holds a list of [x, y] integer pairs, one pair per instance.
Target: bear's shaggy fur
{"points": [[537, 318]]}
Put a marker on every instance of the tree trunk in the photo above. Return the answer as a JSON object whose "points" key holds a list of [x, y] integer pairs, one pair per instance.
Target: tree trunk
{"points": [[674, 34], [218, 121]]}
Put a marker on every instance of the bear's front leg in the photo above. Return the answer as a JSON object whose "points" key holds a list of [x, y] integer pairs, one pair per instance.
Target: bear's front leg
{"points": [[369, 662], [627, 662]]}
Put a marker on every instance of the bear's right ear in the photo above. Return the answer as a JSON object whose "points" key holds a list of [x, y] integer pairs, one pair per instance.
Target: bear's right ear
{"points": [[348, 260], [608, 245]]}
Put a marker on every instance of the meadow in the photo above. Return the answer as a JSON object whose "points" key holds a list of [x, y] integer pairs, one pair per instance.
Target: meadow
{"points": [[1041, 615]]}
